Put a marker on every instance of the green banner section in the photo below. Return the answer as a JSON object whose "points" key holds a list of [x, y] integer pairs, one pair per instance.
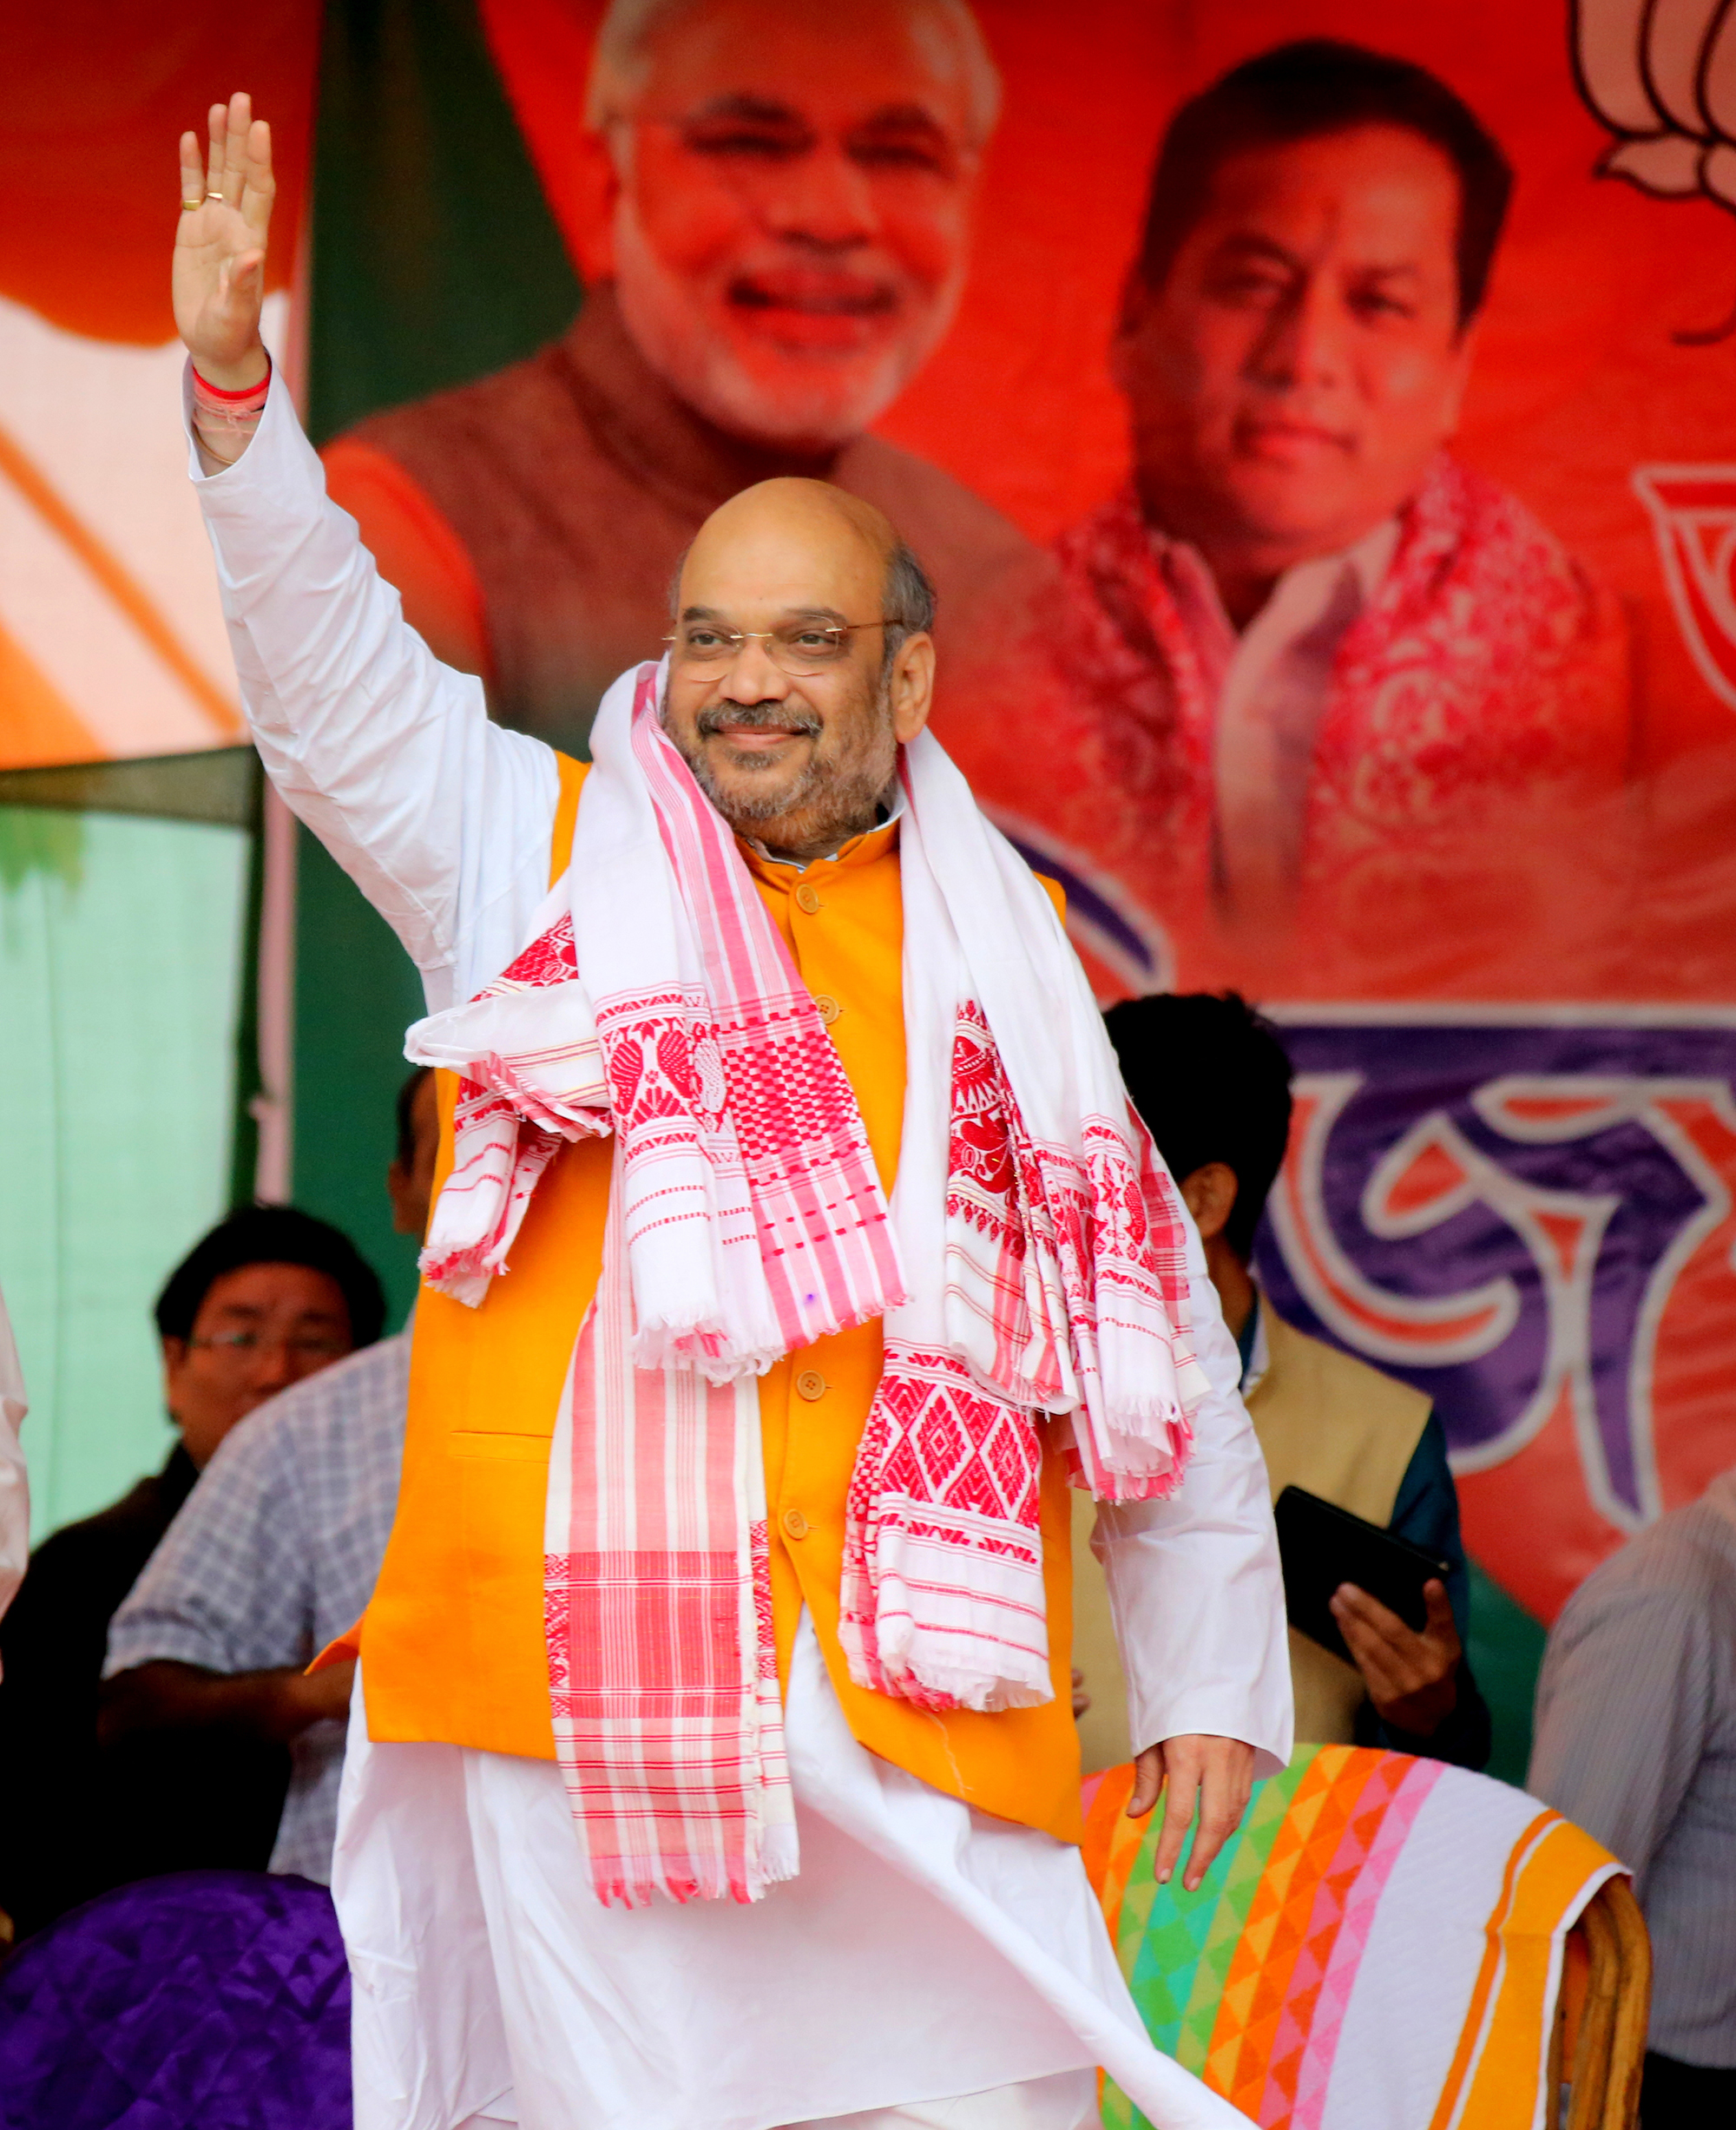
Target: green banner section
{"points": [[435, 257], [356, 992], [1505, 1649], [435, 260], [119, 1011]]}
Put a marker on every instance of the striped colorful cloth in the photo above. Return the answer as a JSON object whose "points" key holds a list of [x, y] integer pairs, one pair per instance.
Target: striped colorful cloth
{"points": [[1380, 1946]]}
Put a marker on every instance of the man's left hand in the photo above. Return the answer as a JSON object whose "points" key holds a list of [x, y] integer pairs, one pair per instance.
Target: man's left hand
{"points": [[1413, 1677], [1216, 1774]]}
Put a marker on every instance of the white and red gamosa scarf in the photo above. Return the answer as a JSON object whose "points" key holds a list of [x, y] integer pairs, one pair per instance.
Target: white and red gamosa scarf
{"points": [[1030, 1262]]}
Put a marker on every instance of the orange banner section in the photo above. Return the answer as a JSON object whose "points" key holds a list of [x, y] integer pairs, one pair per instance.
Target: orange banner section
{"points": [[93, 99]]}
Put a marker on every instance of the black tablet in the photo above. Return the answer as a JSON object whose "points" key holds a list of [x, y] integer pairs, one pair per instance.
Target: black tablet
{"points": [[1322, 1546]]}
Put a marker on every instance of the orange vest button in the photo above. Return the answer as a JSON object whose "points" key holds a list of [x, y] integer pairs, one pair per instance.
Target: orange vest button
{"points": [[811, 1384], [795, 1524], [808, 897], [828, 1008]]}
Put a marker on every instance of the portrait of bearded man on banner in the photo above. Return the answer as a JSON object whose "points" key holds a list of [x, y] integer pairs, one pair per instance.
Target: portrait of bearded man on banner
{"points": [[1320, 678], [783, 203]]}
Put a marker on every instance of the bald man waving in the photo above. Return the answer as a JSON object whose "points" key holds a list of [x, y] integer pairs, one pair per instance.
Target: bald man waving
{"points": [[712, 1762]]}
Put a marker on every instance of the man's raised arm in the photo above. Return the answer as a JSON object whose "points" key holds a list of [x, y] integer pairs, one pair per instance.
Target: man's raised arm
{"points": [[443, 818]]}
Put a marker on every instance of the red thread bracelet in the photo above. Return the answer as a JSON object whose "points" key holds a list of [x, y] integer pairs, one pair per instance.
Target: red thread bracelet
{"points": [[247, 391]]}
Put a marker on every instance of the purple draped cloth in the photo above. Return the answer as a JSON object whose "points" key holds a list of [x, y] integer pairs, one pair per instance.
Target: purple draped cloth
{"points": [[206, 2000]]}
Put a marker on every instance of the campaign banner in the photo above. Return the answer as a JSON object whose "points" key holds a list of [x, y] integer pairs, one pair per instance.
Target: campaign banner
{"points": [[1531, 1217], [1317, 420], [111, 641], [977, 264], [1317, 424]]}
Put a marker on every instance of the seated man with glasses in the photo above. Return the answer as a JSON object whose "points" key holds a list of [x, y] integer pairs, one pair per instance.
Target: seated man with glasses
{"points": [[276, 1555], [269, 1296]]}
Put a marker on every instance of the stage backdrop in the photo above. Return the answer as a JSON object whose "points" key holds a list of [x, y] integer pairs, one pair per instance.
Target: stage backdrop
{"points": [[129, 881], [1456, 809]]}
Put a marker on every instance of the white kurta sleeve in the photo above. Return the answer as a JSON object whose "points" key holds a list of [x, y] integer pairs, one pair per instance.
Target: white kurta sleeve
{"points": [[442, 818], [1195, 1590]]}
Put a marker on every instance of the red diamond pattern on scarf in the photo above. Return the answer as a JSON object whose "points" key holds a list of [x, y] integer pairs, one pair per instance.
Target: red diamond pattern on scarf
{"points": [[549, 958], [945, 1468]]}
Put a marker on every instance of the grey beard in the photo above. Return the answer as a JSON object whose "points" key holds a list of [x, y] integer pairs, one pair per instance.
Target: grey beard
{"points": [[826, 799]]}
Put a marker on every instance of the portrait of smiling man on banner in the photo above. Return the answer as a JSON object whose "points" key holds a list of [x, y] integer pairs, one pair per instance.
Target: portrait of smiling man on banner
{"points": [[1332, 672], [783, 205]]}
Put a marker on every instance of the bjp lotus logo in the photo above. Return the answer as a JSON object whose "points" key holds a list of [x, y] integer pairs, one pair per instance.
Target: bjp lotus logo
{"points": [[1661, 75], [1693, 510]]}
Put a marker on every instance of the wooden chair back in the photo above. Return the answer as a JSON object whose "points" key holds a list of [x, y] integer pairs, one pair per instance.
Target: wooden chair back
{"points": [[1599, 2047]]}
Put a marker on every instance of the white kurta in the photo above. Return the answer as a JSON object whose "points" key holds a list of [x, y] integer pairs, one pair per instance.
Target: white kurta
{"points": [[923, 1949], [481, 1958], [1270, 685]]}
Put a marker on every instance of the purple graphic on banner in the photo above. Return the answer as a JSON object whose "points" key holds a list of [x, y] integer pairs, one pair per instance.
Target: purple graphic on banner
{"points": [[1499, 1213]]}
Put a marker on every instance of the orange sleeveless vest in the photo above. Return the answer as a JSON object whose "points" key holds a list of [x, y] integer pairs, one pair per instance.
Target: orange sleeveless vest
{"points": [[452, 1640]]}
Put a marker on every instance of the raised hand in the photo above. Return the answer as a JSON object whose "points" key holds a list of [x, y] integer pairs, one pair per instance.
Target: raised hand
{"points": [[219, 248]]}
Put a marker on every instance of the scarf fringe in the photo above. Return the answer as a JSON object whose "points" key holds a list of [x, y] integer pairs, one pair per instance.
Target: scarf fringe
{"points": [[582, 1114], [620, 1881], [938, 1689], [465, 1275], [700, 1343]]}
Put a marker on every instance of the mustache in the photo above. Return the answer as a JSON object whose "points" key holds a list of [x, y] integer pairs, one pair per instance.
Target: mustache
{"points": [[771, 717], [822, 295]]}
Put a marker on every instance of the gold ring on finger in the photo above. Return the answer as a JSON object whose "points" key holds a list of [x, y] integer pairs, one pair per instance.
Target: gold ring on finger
{"points": [[211, 196], [191, 206]]}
